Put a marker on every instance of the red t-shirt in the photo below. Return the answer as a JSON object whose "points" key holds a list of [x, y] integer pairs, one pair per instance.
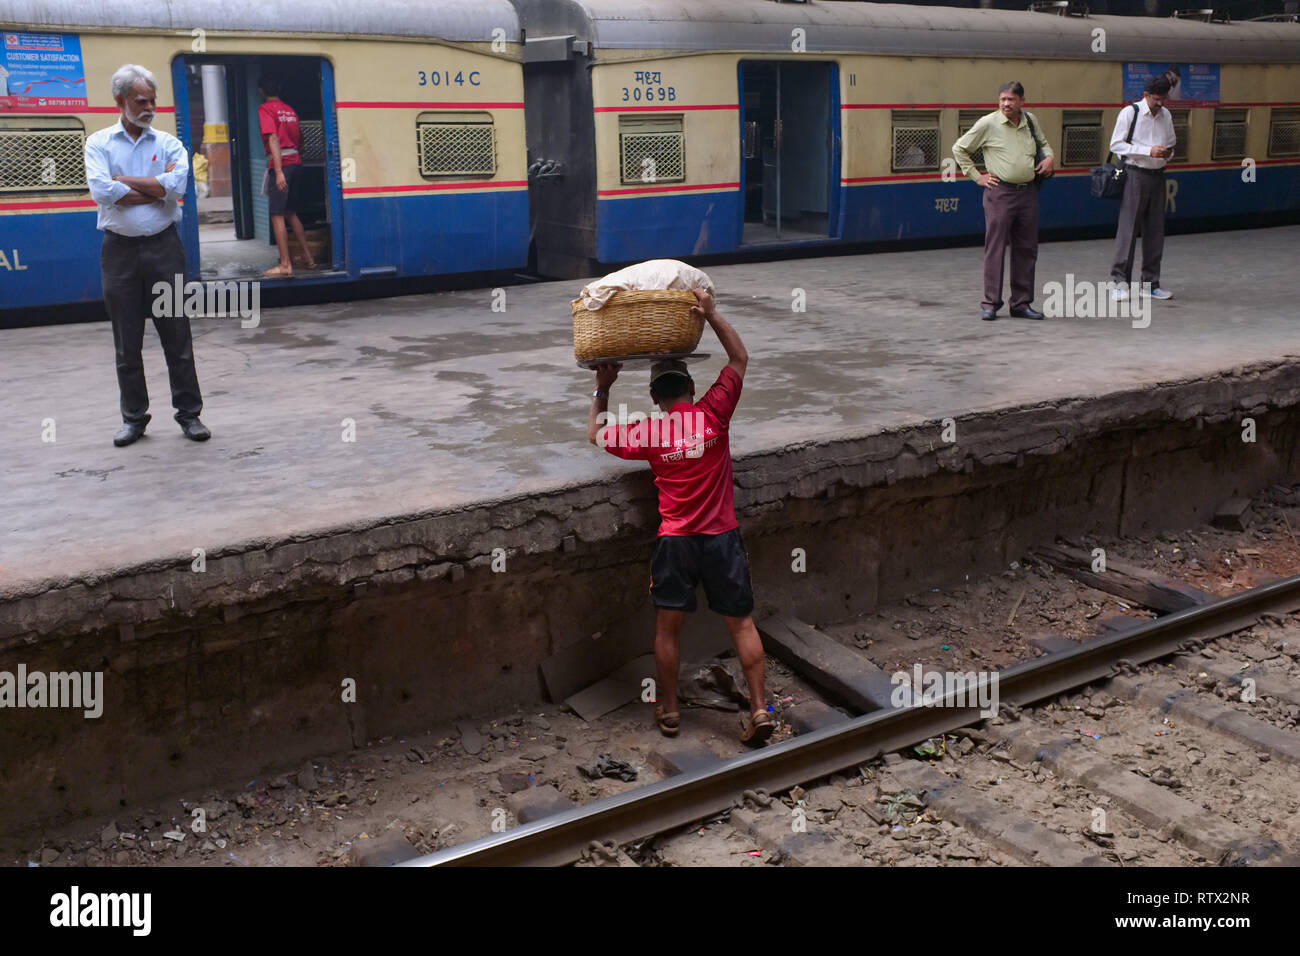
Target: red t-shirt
{"points": [[278, 117], [690, 456]]}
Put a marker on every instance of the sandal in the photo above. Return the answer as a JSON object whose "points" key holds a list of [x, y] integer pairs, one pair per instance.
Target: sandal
{"points": [[278, 272], [756, 728], [669, 723]]}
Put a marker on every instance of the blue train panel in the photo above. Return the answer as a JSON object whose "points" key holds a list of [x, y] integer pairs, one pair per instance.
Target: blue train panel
{"points": [[667, 226], [437, 234], [48, 257]]}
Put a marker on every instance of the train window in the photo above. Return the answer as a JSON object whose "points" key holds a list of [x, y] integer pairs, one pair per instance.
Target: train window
{"points": [[42, 154], [1284, 133], [916, 140], [456, 144], [311, 148], [1182, 124], [965, 120], [651, 149], [1229, 134], [1081, 138]]}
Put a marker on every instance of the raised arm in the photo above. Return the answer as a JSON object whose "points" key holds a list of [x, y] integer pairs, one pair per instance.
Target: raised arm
{"points": [[737, 357], [605, 377]]}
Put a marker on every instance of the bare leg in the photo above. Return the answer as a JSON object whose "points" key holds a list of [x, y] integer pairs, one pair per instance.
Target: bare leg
{"points": [[282, 241], [749, 648], [668, 632], [300, 234]]}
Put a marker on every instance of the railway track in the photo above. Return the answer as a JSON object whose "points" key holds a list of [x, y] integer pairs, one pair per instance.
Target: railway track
{"points": [[1051, 737]]}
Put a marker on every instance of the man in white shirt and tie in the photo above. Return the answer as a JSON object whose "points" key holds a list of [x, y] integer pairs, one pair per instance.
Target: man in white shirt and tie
{"points": [[136, 174], [1143, 207]]}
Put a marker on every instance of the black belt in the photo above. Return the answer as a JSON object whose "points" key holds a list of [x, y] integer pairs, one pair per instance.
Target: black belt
{"points": [[1016, 185], [117, 236]]}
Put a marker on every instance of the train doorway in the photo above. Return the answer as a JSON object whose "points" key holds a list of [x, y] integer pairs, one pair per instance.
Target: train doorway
{"points": [[231, 228], [789, 126]]}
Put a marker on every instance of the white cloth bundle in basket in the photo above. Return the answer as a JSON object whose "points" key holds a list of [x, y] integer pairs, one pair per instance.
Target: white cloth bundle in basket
{"points": [[652, 274]]}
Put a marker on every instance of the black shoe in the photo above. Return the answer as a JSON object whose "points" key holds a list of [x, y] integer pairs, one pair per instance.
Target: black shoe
{"points": [[128, 433], [1028, 312], [194, 430], [988, 315]]}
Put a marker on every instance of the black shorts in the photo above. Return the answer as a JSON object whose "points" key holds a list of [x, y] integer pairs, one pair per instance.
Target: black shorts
{"points": [[282, 202], [681, 562]]}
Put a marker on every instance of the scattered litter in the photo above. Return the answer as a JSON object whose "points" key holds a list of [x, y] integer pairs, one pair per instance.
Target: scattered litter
{"points": [[1162, 733], [946, 648], [607, 766], [752, 852], [176, 835], [1087, 733], [934, 747]]}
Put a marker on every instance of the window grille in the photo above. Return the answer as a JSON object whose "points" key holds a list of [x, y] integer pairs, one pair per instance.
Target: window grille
{"points": [[456, 144], [1284, 133], [1229, 134], [311, 149], [40, 156], [651, 149], [915, 141], [1182, 126], [1082, 138]]}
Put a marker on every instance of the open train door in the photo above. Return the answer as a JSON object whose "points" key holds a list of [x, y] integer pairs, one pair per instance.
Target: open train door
{"points": [[227, 226], [790, 163]]}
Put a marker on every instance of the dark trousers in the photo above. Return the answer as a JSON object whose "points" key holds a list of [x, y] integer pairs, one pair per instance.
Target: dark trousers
{"points": [[1141, 211], [1010, 219], [129, 267]]}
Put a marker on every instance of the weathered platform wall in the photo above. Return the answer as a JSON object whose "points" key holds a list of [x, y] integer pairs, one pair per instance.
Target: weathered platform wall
{"points": [[223, 673]]}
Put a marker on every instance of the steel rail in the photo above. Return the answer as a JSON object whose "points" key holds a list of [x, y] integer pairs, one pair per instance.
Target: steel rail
{"points": [[679, 800]]}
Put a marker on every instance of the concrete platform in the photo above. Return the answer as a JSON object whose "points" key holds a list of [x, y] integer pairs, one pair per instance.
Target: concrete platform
{"points": [[470, 436], [455, 404]]}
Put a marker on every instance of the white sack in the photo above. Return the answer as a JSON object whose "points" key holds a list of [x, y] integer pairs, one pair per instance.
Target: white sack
{"points": [[653, 274]]}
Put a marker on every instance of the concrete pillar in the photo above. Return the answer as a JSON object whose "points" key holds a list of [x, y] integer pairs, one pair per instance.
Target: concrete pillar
{"points": [[216, 135]]}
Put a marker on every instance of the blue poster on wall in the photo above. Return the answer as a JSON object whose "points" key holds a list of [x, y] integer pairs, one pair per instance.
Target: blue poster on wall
{"points": [[41, 69], [1193, 84]]}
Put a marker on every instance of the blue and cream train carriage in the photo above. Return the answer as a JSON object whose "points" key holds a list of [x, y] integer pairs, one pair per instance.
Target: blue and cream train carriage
{"points": [[692, 127], [467, 137], [412, 118]]}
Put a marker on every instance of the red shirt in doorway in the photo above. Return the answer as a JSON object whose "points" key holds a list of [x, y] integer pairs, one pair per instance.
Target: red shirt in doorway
{"points": [[690, 456], [276, 116]]}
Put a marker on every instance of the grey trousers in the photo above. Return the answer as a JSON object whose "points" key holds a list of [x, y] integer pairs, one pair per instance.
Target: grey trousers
{"points": [[1141, 212], [129, 267]]}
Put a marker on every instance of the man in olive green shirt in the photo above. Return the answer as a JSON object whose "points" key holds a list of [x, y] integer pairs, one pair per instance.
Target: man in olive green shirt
{"points": [[1011, 138]]}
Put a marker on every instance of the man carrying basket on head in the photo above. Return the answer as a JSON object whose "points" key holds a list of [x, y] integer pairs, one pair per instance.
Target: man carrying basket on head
{"points": [[699, 539]]}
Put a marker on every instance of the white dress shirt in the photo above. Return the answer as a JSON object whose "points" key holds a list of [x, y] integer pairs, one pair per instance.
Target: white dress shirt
{"points": [[1147, 132], [111, 152]]}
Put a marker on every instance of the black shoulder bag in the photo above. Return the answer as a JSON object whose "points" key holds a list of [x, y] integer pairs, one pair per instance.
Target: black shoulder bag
{"points": [[1039, 178], [1108, 178]]}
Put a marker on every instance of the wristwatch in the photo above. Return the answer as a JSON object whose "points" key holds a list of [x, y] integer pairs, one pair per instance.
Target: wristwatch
{"points": [[600, 393]]}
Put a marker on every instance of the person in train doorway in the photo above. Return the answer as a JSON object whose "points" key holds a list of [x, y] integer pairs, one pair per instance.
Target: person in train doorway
{"points": [[1013, 142], [1142, 207], [699, 538], [136, 175], [281, 137]]}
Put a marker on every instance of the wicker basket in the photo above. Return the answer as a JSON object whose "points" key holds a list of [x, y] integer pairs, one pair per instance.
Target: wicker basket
{"points": [[636, 322]]}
